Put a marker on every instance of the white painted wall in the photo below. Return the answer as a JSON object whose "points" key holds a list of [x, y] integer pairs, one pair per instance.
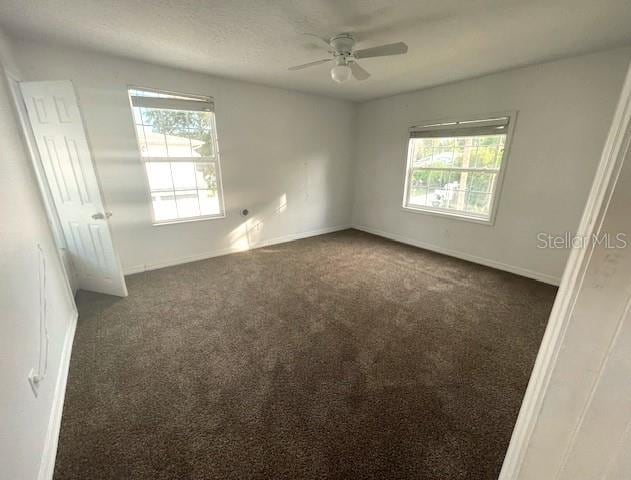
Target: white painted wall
{"points": [[24, 419], [285, 156], [564, 111]]}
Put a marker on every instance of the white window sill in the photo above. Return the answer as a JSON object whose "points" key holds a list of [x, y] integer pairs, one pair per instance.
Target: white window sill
{"points": [[448, 214], [188, 220]]}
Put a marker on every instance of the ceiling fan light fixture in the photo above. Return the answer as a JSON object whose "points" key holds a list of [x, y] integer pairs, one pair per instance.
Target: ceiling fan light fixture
{"points": [[345, 57], [340, 73]]}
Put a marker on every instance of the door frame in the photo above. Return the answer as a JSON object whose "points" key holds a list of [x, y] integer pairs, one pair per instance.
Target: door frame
{"points": [[617, 145], [13, 80]]}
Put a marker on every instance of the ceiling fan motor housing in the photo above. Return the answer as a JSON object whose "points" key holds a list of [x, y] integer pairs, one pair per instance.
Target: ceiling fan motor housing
{"points": [[343, 45]]}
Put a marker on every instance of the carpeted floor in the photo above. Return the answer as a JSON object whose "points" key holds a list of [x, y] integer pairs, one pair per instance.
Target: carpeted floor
{"points": [[343, 356]]}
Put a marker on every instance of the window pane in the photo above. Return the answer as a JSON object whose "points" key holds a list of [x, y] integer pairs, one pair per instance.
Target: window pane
{"points": [[164, 206], [149, 116], [443, 156], [200, 121], [486, 156], [156, 144], [454, 190], [500, 151], [480, 182], [183, 175], [187, 203], [445, 193], [458, 156], [435, 179], [470, 154], [418, 195], [178, 145], [490, 140], [137, 115], [202, 145], [422, 152], [142, 143], [478, 203], [454, 173], [419, 180], [201, 134], [206, 174], [209, 202], [159, 175], [180, 188]]}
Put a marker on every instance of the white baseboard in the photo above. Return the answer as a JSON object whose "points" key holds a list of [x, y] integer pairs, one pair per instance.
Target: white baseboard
{"points": [[226, 251], [541, 277], [47, 464]]}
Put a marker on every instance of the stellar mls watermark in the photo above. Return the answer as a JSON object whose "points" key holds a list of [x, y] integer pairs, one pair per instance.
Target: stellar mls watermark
{"points": [[571, 240]]}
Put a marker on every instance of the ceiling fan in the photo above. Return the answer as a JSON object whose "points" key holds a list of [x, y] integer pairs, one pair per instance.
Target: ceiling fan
{"points": [[345, 58]]}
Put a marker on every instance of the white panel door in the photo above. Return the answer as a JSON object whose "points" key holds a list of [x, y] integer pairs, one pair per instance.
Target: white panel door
{"points": [[601, 446], [55, 118]]}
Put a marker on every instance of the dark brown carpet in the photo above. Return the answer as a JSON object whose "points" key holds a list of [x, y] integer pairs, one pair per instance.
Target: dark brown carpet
{"points": [[343, 356]]}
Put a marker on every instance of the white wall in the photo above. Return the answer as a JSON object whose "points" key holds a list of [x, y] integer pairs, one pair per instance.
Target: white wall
{"points": [[24, 419], [285, 156], [564, 110]]}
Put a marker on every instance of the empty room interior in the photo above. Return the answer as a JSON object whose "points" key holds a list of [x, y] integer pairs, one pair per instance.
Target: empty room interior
{"points": [[315, 240]]}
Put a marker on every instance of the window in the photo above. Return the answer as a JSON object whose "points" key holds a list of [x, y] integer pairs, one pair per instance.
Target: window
{"points": [[177, 138], [454, 168]]}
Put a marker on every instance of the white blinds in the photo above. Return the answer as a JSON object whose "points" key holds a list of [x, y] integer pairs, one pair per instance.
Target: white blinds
{"points": [[469, 128], [171, 103]]}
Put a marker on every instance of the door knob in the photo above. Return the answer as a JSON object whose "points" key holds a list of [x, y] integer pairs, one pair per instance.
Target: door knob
{"points": [[101, 216]]}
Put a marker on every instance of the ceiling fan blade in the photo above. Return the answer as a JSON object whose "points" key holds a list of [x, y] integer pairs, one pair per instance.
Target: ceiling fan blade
{"points": [[382, 50], [358, 72], [310, 64], [322, 42]]}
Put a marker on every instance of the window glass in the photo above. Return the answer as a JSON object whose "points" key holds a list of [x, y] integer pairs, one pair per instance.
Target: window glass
{"points": [[455, 172], [178, 144]]}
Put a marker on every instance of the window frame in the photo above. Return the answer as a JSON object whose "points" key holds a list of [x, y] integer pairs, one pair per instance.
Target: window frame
{"points": [[215, 160], [455, 214]]}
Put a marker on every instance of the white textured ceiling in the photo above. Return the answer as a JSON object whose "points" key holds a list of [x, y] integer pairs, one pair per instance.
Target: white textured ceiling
{"points": [[257, 40]]}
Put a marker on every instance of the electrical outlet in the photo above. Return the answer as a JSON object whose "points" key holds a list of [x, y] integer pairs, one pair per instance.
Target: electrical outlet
{"points": [[34, 381]]}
